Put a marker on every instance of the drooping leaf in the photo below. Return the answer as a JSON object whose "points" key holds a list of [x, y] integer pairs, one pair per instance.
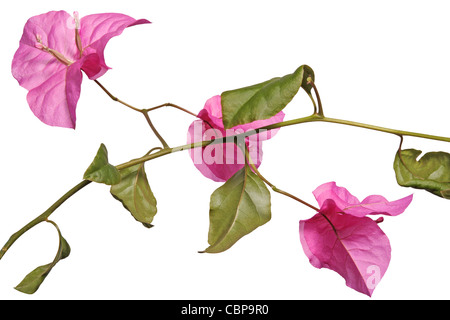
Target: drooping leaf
{"points": [[100, 170], [32, 281], [263, 100], [65, 248], [431, 172], [134, 192], [237, 208]]}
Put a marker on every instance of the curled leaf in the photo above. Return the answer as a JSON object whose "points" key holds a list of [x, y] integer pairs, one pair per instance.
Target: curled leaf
{"points": [[32, 281], [431, 172], [100, 170]]}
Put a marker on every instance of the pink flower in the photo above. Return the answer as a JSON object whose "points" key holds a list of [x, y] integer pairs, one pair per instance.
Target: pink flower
{"points": [[341, 238], [220, 162], [349, 204], [53, 50]]}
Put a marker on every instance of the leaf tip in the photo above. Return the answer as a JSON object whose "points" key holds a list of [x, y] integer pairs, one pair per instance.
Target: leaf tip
{"points": [[147, 225], [100, 170]]}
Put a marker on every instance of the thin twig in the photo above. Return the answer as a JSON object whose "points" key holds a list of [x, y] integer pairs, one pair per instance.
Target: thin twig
{"points": [[168, 104], [319, 102], [143, 111], [160, 138], [253, 166], [115, 98]]}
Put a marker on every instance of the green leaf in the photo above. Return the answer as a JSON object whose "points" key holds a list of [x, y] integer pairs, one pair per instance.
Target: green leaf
{"points": [[65, 248], [307, 76], [135, 194], [32, 281], [263, 100], [237, 208], [431, 172], [100, 170]]}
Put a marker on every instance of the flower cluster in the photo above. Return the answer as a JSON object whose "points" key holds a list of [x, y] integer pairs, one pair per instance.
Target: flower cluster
{"points": [[342, 238], [220, 162], [53, 50]]}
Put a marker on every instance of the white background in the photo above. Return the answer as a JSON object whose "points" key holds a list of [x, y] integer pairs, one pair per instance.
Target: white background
{"points": [[380, 62]]}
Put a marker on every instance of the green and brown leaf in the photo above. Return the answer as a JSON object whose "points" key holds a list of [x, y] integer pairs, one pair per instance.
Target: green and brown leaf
{"points": [[263, 100], [32, 281], [134, 192], [431, 172], [100, 170], [238, 207]]}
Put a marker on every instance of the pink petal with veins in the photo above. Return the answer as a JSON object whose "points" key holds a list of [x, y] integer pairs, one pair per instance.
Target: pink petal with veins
{"points": [[220, 162], [97, 29], [354, 247], [32, 66], [55, 100], [48, 60], [349, 204]]}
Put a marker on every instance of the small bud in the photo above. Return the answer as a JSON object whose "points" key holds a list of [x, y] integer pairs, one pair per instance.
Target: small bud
{"points": [[379, 220], [39, 45]]}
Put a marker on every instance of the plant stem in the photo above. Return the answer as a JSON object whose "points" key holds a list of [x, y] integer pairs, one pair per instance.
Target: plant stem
{"points": [[143, 111], [167, 150], [160, 138], [253, 166], [295, 198], [386, 130], [168, 104], [313, 102], [43, 217], [239, 137], [319, 102], [318, 118], [115, 98]]}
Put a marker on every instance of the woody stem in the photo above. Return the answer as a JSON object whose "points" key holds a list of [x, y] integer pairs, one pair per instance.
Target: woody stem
{"points": [[168, 104], [252, 165], [319, 102], [44, 216], [143, 111], [160, 138], [166, 151]]}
